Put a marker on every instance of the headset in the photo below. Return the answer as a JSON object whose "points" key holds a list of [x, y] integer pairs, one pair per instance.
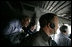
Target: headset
{"points": [[52, 25]]}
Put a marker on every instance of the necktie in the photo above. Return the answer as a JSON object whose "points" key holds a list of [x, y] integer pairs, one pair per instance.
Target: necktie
{"points": [[49, 41]]}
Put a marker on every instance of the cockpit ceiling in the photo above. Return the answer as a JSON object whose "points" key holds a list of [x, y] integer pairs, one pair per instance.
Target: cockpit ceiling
{"points": [[61, 8]]}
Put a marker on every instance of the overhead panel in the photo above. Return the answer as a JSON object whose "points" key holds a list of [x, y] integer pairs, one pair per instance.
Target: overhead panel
{"points": [[66, 4], [53, 5]]}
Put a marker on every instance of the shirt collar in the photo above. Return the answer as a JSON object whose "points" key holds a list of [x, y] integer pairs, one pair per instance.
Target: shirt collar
{"points": [[63, 34], [45, 36]]}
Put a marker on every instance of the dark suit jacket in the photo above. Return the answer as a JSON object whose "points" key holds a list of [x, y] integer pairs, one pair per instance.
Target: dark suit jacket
{"points": [[38, 39]]}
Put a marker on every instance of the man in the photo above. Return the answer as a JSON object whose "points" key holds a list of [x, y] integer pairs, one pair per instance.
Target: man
{"points": [[63, 39], [14, 28], [49, 25]]}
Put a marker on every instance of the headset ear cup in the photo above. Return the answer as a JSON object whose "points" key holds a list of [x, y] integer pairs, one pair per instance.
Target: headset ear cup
{"points": [[52, 25]]}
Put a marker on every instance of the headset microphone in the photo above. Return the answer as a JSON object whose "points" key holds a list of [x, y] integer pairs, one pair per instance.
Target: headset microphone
{"points": [[52, 25]]}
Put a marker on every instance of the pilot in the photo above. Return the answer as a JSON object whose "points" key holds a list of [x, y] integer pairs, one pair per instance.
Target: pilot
{"points": [[15, 28]]}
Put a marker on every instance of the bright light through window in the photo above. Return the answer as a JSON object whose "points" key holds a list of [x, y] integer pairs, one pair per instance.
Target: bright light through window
{"points": [[69, 28], [38, 26]]}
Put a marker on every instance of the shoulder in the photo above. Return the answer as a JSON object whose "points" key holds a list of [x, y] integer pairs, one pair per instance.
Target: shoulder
{"points": [[54, 43], [35, 35], [68, 39], [31, 39], [14, 22]]}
